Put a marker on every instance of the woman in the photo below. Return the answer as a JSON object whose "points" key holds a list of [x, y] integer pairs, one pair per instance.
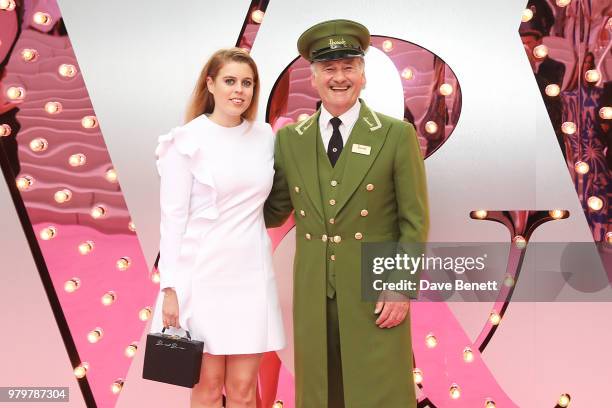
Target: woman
{"points": [[215, 264]]}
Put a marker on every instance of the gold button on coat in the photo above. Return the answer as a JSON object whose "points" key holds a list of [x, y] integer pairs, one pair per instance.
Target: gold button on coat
{"points": [[302, 213], [337, 239], [331, 221], [364, 213], [307, 236], [297, 189], [332, 202], [324, 238], [333, 257], [370, 187], [358, 235], [334, 183]]}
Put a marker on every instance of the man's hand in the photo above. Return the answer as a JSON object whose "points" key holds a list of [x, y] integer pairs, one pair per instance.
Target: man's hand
{"points": [[394, 306]]}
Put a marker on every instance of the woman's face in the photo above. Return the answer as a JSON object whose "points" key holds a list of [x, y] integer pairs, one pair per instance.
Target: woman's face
{"points": [[232, 89]]}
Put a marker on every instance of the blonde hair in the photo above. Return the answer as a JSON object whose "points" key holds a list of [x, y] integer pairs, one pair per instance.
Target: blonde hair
{"points": [[202, 101]]}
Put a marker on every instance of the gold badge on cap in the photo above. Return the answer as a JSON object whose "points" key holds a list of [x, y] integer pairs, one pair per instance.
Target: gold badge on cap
{"points": [[361, 149]]}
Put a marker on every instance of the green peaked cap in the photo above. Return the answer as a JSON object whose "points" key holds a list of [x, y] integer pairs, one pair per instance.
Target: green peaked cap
{"points": [[332, 40]]}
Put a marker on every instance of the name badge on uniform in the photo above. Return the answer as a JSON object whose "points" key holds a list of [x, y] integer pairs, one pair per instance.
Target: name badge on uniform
{"points": [[361, 149]]}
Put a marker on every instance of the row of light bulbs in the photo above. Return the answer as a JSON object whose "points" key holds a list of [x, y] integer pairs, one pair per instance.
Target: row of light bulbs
{"points": [[445, 89], [61, 196], [581, 167], [80, 371], [18, 93], [39, 17], [64, 195], [494, 317], [541, 51], [87, 122], [96, 335], [41, 144], [594, 203], [468, 356], [122, 264], [455, 392], [431, 340], [65, 70], [554, 214], [108, 299], [569, 128], [528, 13], [591, 75], [71, 285]]}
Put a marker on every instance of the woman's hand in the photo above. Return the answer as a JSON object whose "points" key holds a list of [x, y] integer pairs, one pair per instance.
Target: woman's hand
{"points": [[170, 309]]}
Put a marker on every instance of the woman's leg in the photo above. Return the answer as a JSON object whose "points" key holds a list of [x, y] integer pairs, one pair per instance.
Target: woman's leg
{"points": [[241, 380], [208, 392]]}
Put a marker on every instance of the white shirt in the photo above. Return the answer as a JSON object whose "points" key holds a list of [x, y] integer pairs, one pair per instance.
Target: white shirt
{"points": [[348, 118]]}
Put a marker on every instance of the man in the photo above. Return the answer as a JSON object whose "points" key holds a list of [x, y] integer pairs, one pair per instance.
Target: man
{"points": [[547, 70], [352, 175]]}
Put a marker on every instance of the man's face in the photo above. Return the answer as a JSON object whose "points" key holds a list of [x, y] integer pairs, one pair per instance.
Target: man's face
{"points": [[530, 42], [338, 83]]}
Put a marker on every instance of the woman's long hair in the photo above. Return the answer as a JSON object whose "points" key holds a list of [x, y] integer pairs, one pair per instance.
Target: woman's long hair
{"points": [[202, 101]]}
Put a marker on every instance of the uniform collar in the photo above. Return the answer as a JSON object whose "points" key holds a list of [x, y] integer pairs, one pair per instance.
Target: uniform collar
{"points": [[348, 118]]}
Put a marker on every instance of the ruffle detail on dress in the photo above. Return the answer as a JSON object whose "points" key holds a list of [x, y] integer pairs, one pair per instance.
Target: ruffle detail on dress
{"points": [[187, 144]]}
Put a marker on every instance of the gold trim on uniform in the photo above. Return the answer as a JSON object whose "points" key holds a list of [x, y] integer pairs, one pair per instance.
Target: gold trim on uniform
{"points": [[364, 213], [358, 235]]}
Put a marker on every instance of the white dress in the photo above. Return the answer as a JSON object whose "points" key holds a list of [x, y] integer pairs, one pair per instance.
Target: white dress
{"points": [[214, 248]]}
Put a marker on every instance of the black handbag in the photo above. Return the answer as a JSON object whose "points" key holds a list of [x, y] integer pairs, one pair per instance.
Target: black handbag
{"points": [[173, 359]]}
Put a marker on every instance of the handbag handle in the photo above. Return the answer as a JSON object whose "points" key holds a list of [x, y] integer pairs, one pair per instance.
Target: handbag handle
{"points": [[186, 331]]}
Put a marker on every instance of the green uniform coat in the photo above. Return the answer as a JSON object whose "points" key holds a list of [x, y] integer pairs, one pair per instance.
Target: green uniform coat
{"points": [[389, 184]]}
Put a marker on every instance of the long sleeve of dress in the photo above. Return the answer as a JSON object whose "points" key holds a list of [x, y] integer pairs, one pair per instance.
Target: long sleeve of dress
{"points": [[175, 192]]}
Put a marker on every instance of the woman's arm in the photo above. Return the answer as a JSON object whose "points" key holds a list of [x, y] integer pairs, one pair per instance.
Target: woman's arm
{"points": [[175, 194]]}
